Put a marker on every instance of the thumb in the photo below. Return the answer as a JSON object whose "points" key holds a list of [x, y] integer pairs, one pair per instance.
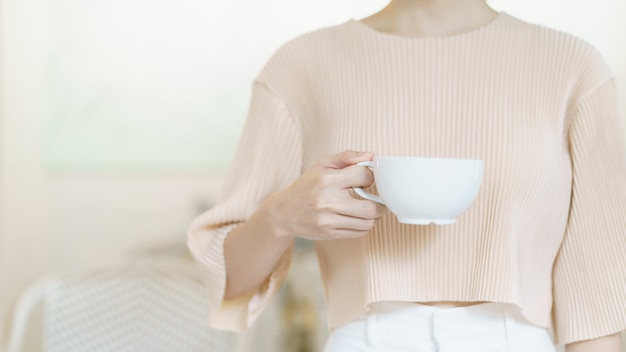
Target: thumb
{"points": [[345, 159]]}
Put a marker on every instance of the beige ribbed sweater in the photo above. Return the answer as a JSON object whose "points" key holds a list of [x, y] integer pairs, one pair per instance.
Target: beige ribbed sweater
{"points": [[547, 231]]}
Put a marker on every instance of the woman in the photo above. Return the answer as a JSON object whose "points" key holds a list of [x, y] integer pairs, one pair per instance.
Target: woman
{"points": [[543, 244]]}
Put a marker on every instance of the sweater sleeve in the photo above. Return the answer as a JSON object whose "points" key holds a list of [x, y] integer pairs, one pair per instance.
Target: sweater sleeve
{"points": [[589, 278], [268, 159]]}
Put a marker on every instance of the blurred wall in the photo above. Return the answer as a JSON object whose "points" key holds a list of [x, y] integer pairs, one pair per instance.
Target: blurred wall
{"points": [[55, 220], [58, 220], [51, 221]]}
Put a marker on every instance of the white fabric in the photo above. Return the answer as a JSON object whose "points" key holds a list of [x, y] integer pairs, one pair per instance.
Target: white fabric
{"points": [[412, 327]]}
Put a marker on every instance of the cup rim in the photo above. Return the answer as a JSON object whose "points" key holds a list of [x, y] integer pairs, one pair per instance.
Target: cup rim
{"points": [[424, 158]]}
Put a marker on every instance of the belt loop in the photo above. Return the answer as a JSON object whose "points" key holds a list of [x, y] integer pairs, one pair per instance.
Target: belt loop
{"points": [[371, 325], [508, 325]]}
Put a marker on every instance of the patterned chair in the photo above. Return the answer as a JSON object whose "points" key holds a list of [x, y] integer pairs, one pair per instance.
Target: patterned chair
{"points": [[153, 305]]}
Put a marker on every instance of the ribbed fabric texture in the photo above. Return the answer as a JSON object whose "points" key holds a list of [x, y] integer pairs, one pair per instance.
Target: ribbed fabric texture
{"points": [[547, 232]]}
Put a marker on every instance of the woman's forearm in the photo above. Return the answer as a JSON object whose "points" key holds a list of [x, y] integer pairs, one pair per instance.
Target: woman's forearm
{"points": [[610, 343], [317, 206], [251, 252]]}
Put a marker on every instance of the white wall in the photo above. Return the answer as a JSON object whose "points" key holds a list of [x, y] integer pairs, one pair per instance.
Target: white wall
{"points": [[54, 221], [57, 221]]}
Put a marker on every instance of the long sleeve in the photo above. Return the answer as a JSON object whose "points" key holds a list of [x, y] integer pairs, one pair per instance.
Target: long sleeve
{"points": [[268, 159], [589, 277]]}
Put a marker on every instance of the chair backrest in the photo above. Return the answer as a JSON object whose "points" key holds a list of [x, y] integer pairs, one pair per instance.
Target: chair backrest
{"points": [[142, 306]]}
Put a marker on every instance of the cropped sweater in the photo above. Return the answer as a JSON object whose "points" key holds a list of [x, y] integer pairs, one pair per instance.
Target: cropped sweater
{"points": [[547, 231]]}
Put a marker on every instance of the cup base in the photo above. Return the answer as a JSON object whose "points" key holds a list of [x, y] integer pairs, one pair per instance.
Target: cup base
{"points": [[427, 221]]}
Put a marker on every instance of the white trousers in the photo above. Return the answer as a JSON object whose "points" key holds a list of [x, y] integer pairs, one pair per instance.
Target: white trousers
{"points": [[412, 327]]}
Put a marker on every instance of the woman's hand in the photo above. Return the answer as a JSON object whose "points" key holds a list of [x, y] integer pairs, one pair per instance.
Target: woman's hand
{"points": [[318, 205]]}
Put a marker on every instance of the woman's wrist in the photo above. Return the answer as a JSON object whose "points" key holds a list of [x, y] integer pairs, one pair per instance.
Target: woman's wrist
{"points": [[272, 211], [251, 252]]}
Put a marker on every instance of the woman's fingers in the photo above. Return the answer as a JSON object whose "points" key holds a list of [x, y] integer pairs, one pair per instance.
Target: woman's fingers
{"points": [[334, 225], [357, 208], [344, 233], [344, 159], [348, 177], [319, 206]]}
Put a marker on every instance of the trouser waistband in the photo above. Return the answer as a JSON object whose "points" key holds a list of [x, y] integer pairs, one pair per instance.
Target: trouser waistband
{"points": [[480, 327]]}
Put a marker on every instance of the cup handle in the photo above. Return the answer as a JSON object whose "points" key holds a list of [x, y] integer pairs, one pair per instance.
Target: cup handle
{"points": [[361, 192]]}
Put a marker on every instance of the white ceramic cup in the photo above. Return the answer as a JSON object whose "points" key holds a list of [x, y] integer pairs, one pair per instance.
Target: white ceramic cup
{"points": [[422, 191]]}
